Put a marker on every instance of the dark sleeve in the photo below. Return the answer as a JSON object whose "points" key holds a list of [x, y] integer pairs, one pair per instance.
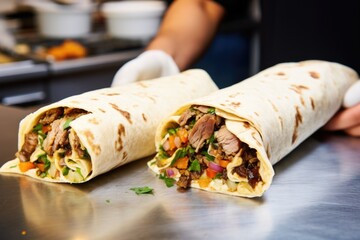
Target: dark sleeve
{"points": [[235, 9]]}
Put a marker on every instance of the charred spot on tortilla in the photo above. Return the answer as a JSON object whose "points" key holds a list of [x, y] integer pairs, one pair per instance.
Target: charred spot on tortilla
{"points": [[146, 95], [281, 122], [123, 112], [302, 100], [312, 103], [144, 117], [94, 99], [298, 120], [235, 104], [257, 114], [102, 110], [200, 147], [125, 155], [253, 134], [298, 88], [273, 106], [111, 94], [96, 149], [119, 143], [280, 74], [94, 121], [234, 95], [142, 84], [298, 116], [314, 75]]}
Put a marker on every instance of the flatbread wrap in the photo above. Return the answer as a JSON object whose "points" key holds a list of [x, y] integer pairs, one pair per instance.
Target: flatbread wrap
{"points": [[228, 141], [82, 136]]}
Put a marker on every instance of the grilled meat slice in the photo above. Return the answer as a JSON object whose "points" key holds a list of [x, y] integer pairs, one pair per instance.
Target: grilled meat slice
{"points": [[51, 115], [202, 130], [29, 146], [227, 141]]}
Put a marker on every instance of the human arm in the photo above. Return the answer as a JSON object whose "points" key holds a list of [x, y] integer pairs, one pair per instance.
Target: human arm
{"points": [[186, 30]]}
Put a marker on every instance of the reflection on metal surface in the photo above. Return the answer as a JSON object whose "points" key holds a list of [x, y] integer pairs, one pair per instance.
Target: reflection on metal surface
{"points": [[314, 196]]}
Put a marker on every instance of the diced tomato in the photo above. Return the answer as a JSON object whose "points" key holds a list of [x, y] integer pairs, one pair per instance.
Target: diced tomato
{"points": [[25, 166], [204, 182], [46, 128], [223, 163], [172, 142], [182, 163], [183, 135], [41, 167], [210, 173]]}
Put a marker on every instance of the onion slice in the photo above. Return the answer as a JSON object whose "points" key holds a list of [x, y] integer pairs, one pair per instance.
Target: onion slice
{"points": [[216, 167]]}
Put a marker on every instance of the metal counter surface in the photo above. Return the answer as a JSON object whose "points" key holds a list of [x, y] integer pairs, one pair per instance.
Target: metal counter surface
{"points": [[315, 195]]}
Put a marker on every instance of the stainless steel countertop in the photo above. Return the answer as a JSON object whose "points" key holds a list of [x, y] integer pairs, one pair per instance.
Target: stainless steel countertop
{"points": [[315, 195]]}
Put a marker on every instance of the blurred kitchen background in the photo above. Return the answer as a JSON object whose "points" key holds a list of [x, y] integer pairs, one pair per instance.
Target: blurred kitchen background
{"points": [[52, 49]]}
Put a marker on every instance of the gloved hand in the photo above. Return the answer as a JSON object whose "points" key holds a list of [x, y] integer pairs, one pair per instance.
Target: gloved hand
{"points": [[352, 96], [148, 65], [348, 119]]}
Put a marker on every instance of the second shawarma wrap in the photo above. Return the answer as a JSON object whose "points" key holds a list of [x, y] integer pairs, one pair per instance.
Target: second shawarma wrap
{"points": [[80, 137], [228, 141]]}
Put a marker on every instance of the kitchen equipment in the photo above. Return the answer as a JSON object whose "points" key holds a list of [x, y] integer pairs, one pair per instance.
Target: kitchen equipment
{"points": [[64, 21], [133, 19]]}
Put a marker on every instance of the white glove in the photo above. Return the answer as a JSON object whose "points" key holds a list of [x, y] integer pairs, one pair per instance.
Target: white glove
{"points": [[352, 96], [148, 65]]}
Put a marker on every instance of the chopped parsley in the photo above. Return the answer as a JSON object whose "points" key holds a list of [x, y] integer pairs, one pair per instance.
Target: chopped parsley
{"points": [[169, 182], [142, 190], [195, 166], [211, 110]]}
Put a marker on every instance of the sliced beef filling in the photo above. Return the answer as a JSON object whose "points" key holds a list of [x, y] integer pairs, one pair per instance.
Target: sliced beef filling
{"points": [[207, 131], [29, 146], [53, 135]]}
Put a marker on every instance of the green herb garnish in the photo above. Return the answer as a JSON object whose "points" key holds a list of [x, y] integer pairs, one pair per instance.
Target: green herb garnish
{"points": [[43, 174], [180, 153], [218, 176], [162, 153], [169, 182], [67, 123], [211, 110], [211, 139], [37, 127], [65, 171], [171, 131], [208, 156], [195, 166], [43, 158], [142, 190], [86, 154], [78, 170]]}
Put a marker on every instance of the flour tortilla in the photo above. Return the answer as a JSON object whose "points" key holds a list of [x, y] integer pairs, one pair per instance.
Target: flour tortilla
{"points": [[120, 125], [273, 112]]}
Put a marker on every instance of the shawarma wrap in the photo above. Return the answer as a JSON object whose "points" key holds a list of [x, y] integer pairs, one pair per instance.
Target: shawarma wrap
{"points": [[82, 136], [228, 141]]}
